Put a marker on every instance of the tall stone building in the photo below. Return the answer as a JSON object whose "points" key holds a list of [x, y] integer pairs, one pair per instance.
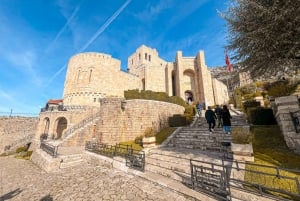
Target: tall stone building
{"points": [[92, 76], [93, 104]]}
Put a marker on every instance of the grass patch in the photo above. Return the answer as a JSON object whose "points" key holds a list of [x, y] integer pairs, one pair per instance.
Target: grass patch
{"points": [[133, 144], [270, 149], [24, 155], [164, 134]]}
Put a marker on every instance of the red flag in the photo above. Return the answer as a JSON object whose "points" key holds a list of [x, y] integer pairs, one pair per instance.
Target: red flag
{"points": [[229, 66]]}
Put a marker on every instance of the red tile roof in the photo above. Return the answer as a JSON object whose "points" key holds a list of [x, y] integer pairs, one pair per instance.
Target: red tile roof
{"points": [[55, 102]]}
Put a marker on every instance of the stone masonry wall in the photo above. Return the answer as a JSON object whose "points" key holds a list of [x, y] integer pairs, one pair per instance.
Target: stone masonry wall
{"points": [[16, 131], [92, 76], [283, 107], [117, 124]]}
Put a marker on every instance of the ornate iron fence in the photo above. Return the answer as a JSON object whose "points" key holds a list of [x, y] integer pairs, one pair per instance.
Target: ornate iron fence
{"points": [[134, 158], [217, 179], [49, 149]]}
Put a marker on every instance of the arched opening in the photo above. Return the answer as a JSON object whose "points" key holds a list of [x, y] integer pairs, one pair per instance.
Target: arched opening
{"points": [[61, 127], [45, 132], [189, 87], [173, 83]]}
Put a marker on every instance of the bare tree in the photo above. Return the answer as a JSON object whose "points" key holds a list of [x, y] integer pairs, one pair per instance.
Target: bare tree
{"points": [[264, 35]]}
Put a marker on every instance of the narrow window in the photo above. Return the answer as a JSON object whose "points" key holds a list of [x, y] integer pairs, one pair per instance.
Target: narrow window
{"points": [[146, 56], [95, 99], [139, 56], [149, 57], [78, 76], [90, 77]]}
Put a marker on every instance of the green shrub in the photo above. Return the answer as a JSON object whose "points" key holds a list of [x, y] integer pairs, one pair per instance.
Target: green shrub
{"points": [[177, 120], [21, 149], [139, 140], [261, 116], [151, 95], [149, 132], [280, 88], [164, 134]]}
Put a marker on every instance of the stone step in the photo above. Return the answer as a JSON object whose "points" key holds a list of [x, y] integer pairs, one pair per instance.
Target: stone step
{"points": [[168, 162], [171, 174], [70, 158], [175, 186], [70, 164]]}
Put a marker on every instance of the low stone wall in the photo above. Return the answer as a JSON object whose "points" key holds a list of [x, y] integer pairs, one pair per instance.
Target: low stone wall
{"points": [[284, 106], [123, 120], [45, 161], [16, 131]]}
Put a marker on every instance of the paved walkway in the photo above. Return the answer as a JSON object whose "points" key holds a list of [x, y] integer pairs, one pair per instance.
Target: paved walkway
{"points": [[22, 180]]}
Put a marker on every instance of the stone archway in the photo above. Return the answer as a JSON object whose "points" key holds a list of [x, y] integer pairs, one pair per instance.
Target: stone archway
{"points": [[188, 85], [45, 132], [61, 126]]}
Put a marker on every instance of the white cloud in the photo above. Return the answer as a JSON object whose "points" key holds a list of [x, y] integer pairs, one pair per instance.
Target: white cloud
{"points": [[64, 28], [152, 11], [26, 61]]}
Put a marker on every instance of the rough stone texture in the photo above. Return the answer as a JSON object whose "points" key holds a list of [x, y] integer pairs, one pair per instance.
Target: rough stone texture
{"points": [[16, 131], [93, 76], [117, 125], [45, 161], [49, 121], [283, 106], [22, 180]]}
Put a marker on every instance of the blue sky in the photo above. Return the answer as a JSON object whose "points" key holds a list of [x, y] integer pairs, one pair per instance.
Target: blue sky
{"points": [[38, 37]]}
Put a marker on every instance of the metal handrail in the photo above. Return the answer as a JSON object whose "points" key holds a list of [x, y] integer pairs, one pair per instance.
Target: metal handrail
{"points": [[81, 124], [134, 158], [261, 187], [49, 149]]}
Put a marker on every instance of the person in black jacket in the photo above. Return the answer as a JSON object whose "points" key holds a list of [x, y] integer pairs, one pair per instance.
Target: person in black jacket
{"points": [[210, 117], [226, 117]]}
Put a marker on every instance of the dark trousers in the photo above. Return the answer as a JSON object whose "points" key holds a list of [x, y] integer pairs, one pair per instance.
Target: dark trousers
{"points": [[211, 125]]}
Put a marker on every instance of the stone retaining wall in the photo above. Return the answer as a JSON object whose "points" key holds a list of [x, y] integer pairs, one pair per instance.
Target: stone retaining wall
{"points": [[283, 106], [16, 131], [123, 120]]}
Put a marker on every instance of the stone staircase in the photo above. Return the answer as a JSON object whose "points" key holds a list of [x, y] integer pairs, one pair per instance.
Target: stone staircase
{"points": [[169, 164]]}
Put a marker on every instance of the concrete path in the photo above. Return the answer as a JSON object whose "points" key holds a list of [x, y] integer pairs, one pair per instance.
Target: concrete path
{"points": [[22, 180]]}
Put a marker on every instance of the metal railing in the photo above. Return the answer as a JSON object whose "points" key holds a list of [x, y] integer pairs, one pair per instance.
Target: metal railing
{"points": [[265, 180], [49, 149], [81, 124], [268, 181], [134, 158], [210, 178]]}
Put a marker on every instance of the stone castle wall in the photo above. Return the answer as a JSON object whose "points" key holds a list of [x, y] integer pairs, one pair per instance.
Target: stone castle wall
{"points": [[125, 120], [72, 117], [220, 92], [16, 131], [92, 76]]}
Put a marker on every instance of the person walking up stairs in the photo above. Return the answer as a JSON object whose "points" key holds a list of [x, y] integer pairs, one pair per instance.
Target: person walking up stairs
{"points": [[210, 117]]}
